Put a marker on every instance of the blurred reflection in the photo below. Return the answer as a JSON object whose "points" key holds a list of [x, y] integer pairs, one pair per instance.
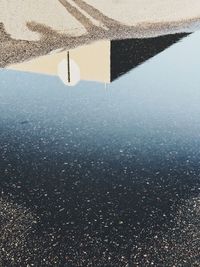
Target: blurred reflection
{"points": [[103, 61]]}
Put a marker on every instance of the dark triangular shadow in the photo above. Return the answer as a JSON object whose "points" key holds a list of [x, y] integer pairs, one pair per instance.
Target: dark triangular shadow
{"points": [[128, 54]]}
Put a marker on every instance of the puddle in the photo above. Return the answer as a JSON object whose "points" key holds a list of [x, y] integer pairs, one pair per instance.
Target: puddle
{"points": [[110, 166]]}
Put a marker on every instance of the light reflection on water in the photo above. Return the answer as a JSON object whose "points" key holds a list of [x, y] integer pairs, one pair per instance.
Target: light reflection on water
{"points": [[112, 174]]}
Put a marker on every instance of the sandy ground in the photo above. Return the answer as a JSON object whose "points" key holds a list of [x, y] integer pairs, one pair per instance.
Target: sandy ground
{"points": [[29, 29], [16, 14], [132, 12]]}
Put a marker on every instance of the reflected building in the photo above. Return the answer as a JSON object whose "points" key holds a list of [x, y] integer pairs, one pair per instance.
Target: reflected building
{"points": [[130, 53], [102, 61]]}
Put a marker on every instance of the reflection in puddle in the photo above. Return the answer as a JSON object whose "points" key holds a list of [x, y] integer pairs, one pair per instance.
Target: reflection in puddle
{"points": [[112, 176], [103, 61]]}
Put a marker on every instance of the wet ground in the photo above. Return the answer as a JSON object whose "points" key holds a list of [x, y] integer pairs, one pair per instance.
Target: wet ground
{"points": [[100, 175]]}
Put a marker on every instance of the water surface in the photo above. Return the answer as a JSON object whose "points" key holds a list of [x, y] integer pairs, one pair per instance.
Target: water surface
{"points": [[104, 175]]}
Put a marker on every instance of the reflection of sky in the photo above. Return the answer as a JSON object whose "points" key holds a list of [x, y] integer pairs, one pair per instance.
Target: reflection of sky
{"points": [[117, 159], [162, 93], [152, 111]]}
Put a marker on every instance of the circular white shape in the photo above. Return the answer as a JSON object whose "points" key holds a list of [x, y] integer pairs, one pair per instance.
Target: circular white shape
{"points": [[74, 72]]}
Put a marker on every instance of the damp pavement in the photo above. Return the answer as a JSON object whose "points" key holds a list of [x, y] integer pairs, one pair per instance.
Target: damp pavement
{"points": [[105, 176]]}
